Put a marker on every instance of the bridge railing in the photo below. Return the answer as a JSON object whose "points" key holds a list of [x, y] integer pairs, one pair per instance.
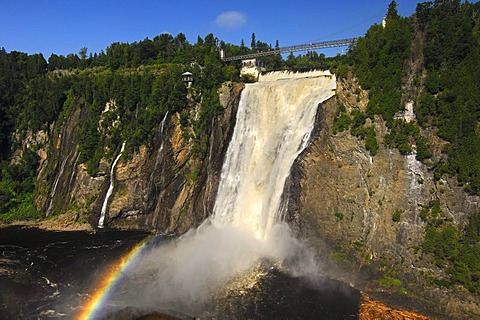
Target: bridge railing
{"points": [[300, 47]]}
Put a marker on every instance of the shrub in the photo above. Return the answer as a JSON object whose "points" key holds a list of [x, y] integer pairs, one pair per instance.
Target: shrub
{"points": [[341, 122], [397, 215], [371, 141], [24, 211]]}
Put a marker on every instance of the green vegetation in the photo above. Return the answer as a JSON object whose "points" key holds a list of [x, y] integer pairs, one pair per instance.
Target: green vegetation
{"points": [[355, 121], [403, 135], [371, 141], [24, 210], [397, 215], [141, 82], [458, 253], [449, 103], [339, 215], [378, 60], [433, 214], [391, 280], [17, 183], [341, 254], [192, 176], [341, 122]]}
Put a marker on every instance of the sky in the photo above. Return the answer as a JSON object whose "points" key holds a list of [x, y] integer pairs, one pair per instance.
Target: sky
{"points": [[65, 26]]}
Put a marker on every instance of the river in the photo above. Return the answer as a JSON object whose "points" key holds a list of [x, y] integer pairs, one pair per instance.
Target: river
{"points": [[53, 275]]}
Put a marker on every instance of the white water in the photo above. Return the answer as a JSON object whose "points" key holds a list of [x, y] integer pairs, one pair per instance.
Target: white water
{"points": [[55, 184], [74, 168], [274, 122], [160, 149], [110, 188], [157, 161]]}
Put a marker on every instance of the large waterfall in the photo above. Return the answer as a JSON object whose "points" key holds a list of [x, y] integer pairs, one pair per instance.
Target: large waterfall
{"points": [[274, 121]]}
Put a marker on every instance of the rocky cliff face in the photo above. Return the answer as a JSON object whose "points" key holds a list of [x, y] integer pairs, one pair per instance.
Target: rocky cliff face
{"points": [[364, 212], [361, 213], [165, 186]]}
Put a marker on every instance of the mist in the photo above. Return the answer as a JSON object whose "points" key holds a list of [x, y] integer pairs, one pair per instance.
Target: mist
{"points": [[274, 121], [184, 274]]}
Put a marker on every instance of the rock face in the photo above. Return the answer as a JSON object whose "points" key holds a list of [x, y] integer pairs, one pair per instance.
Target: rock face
{"points": [[164, 186], [361, 213], [364, 212]]}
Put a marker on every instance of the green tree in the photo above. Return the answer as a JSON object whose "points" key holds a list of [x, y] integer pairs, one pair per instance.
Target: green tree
{"points": [[371, 141], [392, 12], [83, 57]]}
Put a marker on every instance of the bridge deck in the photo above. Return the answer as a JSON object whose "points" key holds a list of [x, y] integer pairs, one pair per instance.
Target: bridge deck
{"points": [[300, 47]]}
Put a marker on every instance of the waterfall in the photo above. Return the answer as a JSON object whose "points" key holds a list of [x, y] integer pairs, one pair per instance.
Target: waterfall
{"points": [[274, 121], [110, 188], [72, 176], [152, 175], [55, 184], [160, 149]]}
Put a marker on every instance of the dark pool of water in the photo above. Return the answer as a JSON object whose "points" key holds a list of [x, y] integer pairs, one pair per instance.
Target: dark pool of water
{"points": [[51, 275], [277, 295], [46, 274]]}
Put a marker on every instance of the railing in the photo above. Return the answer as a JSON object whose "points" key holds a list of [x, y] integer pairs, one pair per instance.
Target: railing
{"points": [[300, 47]]}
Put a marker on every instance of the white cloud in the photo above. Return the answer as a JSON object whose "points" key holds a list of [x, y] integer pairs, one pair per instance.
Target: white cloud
{"points": [[231, 19]]}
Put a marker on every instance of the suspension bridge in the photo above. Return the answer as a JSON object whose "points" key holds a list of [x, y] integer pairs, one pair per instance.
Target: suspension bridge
{"points": [[299, 47]]}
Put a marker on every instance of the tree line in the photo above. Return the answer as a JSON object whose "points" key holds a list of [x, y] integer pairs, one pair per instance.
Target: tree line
{"points": [[142, 81]]}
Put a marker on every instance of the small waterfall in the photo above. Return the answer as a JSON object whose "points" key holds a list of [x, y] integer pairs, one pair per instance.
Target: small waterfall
{"points": [[157, 162], [160, 149], [110, 188], [209, 164], [74, 170], [55, 184]]}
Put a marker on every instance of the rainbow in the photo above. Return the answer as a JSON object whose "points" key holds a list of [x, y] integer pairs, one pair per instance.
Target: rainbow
{"points": [[101, 293]]}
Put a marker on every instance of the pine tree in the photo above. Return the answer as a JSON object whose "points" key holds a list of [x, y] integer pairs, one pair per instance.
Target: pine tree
{"points": [[392, 12]]}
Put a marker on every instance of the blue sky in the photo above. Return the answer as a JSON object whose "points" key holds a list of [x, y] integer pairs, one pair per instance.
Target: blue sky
{"points": [[64, 26]]}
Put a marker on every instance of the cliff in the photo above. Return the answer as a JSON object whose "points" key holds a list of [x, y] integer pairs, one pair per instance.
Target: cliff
{"points": [[362, 213], [165, 186]]}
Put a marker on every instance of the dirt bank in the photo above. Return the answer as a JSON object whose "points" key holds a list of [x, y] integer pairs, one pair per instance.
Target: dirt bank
{"points": [[64, 222]]}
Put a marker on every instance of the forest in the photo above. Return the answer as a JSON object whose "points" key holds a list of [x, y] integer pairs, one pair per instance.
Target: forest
{"points": [[144, 80]]}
